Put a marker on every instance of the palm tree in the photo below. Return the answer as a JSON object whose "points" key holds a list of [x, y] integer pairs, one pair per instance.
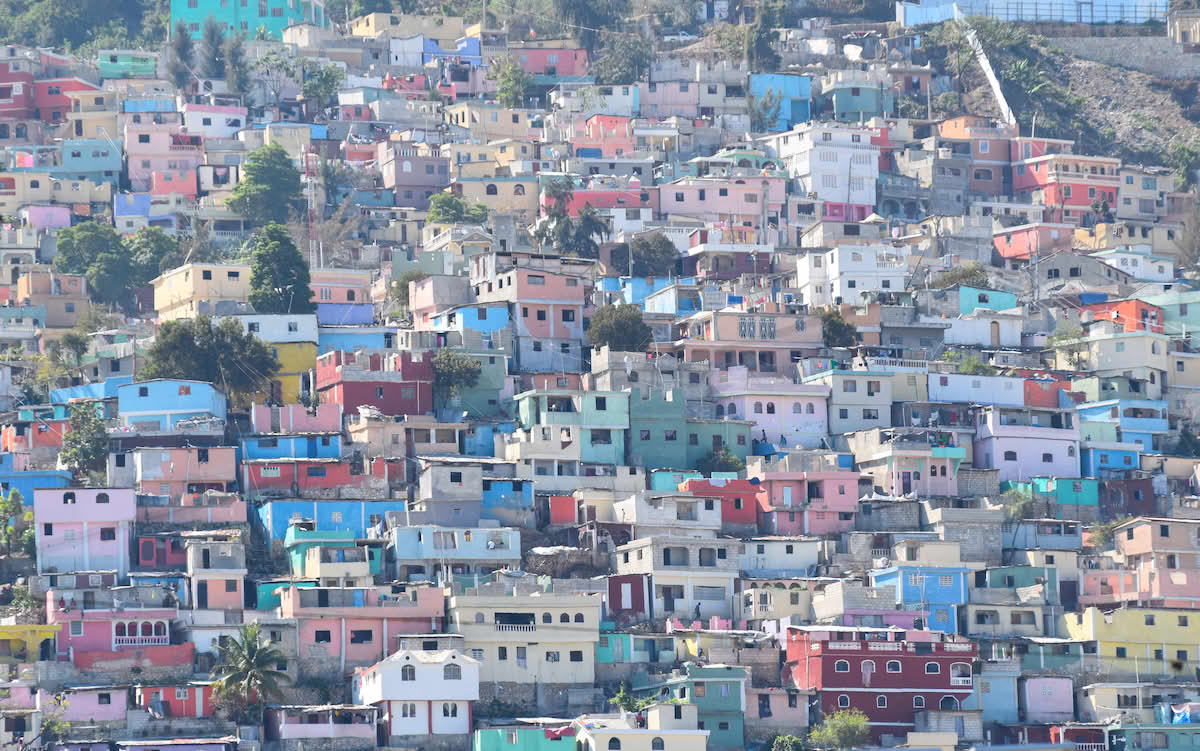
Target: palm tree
{"points": [[559, 191], [588, 226], [246, 673]]}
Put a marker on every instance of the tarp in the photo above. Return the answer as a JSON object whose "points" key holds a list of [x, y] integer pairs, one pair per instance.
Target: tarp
{"points": [[1184, 714]]}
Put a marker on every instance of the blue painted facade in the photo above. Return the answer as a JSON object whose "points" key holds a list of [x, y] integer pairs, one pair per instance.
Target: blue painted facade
{"points": [[472, 543], [106, 389], [92, 159], [1094, 460], [1031, 534], [486, 319], [345, 314], [168, 401], [324, 446], [938, 589], [972, 298], [669, 479], [25, 482], [466, 51], [330, 516], [1141, 421], [149, 104], [177, 583], [351, 338], [22, 316], [795, 92], [507, 501]]}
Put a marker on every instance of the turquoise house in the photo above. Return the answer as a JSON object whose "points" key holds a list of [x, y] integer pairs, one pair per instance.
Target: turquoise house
{"points": [[272, 16], [298, 540], [794, 92], [267, 591], [126, 64], [971, 299], [598, 418], [719, 693], [617, 647], [520, 738], [1061, 497]]}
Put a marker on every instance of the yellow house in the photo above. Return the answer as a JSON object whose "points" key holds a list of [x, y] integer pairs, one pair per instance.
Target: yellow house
{"points": [[25, 642], [293, 336], [445, 30], [93, 114], [18, 189], [1166, 238], [511, 194], [195, 288], [488, 122], [669, 727], [1146, 642]]}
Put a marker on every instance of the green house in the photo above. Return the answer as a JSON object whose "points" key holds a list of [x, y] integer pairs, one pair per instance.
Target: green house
{"points": [[718, 691], [520, 738], [298, 540], [619, 647], [126, 64]]}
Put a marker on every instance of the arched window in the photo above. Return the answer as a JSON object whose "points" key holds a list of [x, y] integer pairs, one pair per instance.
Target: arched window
{"points": [[656, 744], [948, 702], [614, 744], [841, 666], [518, 190], [147, 628], [547, 618], [564, 618], [916, 475], [918, 702], [68, 499], [732, 409], [160, 628], [579, 617], [452, 672], [770, 408], [449, 710], [720, 411], [408, 673], [120, 629], [893, 666], [350, 295], [932, 668], [491, 190], [808, 408], [881, 701], [843, 701], [796, 408], [479, 618], [758, 408], [102, 498]]}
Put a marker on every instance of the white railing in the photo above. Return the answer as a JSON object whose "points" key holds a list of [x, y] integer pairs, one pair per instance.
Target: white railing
{"points": [[961, 681], [956, 647], [881, 553], [842, 645], [522, 627], [885, 646], [141, 641], [1091, 747]]}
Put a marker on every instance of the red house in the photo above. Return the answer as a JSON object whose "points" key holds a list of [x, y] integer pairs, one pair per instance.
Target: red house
{"points": [[314, 478], [190, 699], [739, 502], [888, 673], [395, 383], [16, 89], [51, 100], [1132, 315], [1044, 392], [161, 552]]}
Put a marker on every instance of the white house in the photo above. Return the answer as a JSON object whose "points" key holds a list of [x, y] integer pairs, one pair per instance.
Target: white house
{"points": [[833, 162], [281, 328], [1138, 261], [845, 273], [420, 693], [1003, 391]]}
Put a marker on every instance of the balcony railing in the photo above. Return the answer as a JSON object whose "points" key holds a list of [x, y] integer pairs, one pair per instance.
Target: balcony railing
{"points": [[957, 647], [885, 646], [527, 628], [842, 645], [141, 641], [967, 681], [1091, 747]]}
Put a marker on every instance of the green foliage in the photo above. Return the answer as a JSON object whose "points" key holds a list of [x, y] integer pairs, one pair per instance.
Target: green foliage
{"points": [[588, 18], [321, 86], [950, 44], [764, 112], [585, 229], [627, 702], [75, 344], [279, 278], [447, 208], [85, 445], [80, 245], [183, 55], [1101, 535], [621, 328], [454, 373], [246, 673], [512, 83], [836, 331], [212, 49], [270, 186], [237, 67], [720, 460], [151, 252], [842, 730], [13, 510], [82, 25], [29, 543], [970, 274], [399, 288], [238, 363], [1184, 158], [1187, 445], [275, 69], [968, 363], [621, 60], [653, 255], [1017, 505], [789, 743]]}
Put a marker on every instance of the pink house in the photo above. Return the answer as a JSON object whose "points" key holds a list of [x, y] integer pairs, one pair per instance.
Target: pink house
{"points": [[347, 725], [160, 147], [341, 285], [174, 472], [547, 304], [612, 135], [805, 503], [217, 570], [111, 620], [610, 193], [1162, 570], [567, 61], [670, 99], [170, 182], [83, 529], [731, 200], [359, 625], [1046, 699], [296, 418], [103, 705]]}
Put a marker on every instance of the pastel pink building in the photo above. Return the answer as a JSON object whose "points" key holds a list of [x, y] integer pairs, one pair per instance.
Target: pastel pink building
{"points": [[901, 461], [732, 200], [341, 285], [159, 147], [670, 99], [83, 529], [217, 570], [174, 472], [111, 620], [608, 193], [356, 624], [806, 503], [1162, 566], [550, 61], [610, 135], [549, 305], [786, 414], [296, 418], [170, 182]]}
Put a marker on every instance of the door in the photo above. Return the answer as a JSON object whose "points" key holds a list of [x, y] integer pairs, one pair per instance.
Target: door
{"points": [[89, 600], [275, 423], [626, 595], [906, 483], [312, 447], [205, 559], [202, 595], [668, 600], [995, 333], [619, 649]]}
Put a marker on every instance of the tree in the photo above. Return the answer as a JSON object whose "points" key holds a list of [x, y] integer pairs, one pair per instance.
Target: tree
{"points": [[1101, 536], [454, 372], [1188, 444], [584, 230], [653, 255], [720, 460], [621, 328], [559, 192], [238, 363], [588, 18], [279, 278], [764, 112], [270, 186], [85, 445], [246, 673], [447, 208], [13, 509], [959, 55], [512, 83], [968, 363], [836, 331], [363, 7], [237, 67], [183, 53], [151, 252], [970, 275], [788, 743], [80, 245], [276, 70], [75, 344], [321, 85], [627, 702], [212, 52], [399, 288], [621, 60], [110, 276], [842, 730]]}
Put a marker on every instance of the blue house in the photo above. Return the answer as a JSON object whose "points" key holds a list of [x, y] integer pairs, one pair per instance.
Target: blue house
{"points": [[434, 553], [106, 389], [466, 51], [26, 481], [95, 159], [682, 298], [939, 589], [487, 321], [354, 517], [794, 91], [166, 402], [1139, 421], [345, 314], [303, 446], [350, 338], [669, 479], [972, 298], [508, 501], [1097, 457]]}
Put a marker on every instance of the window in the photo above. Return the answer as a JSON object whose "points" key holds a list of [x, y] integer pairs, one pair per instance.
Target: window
{"points": [[1047, 458], [76, 628], [614, 744], [1119, 652], [408, 672], [918, 702], [841, 666], [107, 698], [322, 637], [843, 701], [552, 657], [48, 530], [893, 666], [1149, 620], [108, 534], [1010, 456], [102, 498], [881, 701], [932, 668], [1183, 621], [576, 655], [452, 672], [361, 636]]}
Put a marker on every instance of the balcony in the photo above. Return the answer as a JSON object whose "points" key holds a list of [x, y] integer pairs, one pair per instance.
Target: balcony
{"points": [[141, 641], [524, 628], [965, 681]]}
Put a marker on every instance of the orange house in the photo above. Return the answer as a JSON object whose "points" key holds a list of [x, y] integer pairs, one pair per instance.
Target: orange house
{"points": [[1132, 315]]}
